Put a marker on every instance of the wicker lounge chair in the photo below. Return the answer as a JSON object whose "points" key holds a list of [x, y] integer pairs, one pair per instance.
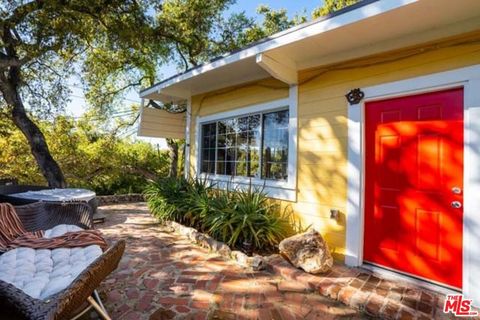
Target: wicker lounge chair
{"points": [[15, 303]]}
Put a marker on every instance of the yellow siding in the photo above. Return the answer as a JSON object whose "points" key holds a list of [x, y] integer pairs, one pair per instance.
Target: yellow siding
{"points": [[161, 124], [322, 120]]}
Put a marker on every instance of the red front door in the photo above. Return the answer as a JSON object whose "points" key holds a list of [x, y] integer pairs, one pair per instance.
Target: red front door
{"points": [[414, 185]]}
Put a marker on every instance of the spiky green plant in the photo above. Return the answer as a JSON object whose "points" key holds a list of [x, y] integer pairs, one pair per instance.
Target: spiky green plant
{"points": [[165, 198], [234, 216], [248, 215], [197, 204]]}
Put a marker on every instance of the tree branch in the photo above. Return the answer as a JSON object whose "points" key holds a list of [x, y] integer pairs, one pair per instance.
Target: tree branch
{"points": [[182, 56], [6, 62], [128, 86]]}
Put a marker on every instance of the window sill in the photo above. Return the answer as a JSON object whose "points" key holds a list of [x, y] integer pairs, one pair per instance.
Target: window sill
{"points": [[281, 190]]}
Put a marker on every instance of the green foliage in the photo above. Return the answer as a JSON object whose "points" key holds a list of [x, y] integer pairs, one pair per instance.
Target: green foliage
{"points": [[46, 42], [247, 215], [273, 21], [232, 216], [330, 6], [200, 30], [166, 199], [90, 158]]}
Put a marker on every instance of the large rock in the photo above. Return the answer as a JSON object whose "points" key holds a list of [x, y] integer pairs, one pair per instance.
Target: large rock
{"points": [[307, 251]]}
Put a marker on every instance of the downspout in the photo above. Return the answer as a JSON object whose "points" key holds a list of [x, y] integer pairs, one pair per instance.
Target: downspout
{"points": [[187, 139]]}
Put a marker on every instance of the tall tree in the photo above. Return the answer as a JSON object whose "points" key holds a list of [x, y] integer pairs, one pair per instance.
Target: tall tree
{"points": [[200, 31], [41, 43], [114, 45], [330, 6]]}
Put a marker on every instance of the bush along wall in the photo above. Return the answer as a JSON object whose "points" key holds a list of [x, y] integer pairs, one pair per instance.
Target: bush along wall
{"points": [[243, 218]]}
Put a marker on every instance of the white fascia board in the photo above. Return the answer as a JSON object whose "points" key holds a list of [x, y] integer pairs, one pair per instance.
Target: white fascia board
{"points": [[289, 36]]}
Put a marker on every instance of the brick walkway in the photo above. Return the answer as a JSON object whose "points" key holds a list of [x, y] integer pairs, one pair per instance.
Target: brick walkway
{"points": [[163, 276]]}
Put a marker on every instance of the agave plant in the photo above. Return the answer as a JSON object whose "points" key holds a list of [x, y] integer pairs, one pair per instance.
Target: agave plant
{"points": [[165, 198], [234, 216], [197, 204], [248, 216]]}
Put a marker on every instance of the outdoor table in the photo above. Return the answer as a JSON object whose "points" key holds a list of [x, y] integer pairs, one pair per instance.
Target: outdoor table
{"points": [[68, 194], [62, 195]]}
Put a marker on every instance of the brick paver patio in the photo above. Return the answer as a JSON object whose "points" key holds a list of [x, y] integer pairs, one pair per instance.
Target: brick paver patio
{"points": [[164, 276]]}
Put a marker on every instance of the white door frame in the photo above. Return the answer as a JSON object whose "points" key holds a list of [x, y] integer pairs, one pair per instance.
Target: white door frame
{"points": [[469, 79]]}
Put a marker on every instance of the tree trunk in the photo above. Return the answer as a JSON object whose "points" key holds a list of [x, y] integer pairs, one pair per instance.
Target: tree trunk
{"points": [[48, 166], [173, 147]]}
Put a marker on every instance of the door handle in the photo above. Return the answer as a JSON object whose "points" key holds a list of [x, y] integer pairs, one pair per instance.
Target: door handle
{"points": [[456, 204], [456, 190]]}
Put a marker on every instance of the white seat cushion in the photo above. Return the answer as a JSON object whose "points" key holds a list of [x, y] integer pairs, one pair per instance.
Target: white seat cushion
{"points": [[60, 230], [41, 273]]}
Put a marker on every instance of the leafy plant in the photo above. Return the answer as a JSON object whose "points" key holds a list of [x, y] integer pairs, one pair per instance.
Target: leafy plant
{"points": [[90, 157], [165, 199], [249, 217], [235, 216], [198, 204]]}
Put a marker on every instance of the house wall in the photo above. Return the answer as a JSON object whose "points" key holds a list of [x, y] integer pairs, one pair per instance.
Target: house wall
{"points": [[322, 120]]}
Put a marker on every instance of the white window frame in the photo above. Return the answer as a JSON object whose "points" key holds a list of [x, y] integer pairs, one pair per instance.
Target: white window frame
{"points": [[469, 79], [278, 189]]}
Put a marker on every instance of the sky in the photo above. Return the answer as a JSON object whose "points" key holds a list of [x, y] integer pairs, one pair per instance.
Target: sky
{"points": [[77, 105]]}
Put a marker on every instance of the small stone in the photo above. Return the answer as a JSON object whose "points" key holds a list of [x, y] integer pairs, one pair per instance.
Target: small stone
{"points": [[224, 250], [240, 257], [257, 263], [308, 251]]}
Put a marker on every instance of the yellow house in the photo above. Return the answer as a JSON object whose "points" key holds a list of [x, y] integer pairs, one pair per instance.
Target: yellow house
{"points": [[366, 122]]}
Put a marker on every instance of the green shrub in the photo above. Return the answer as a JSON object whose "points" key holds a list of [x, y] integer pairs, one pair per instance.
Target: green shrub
{"points": [[248, 216], [90, 157], [233, 216], [165, 198], [198, 203]]}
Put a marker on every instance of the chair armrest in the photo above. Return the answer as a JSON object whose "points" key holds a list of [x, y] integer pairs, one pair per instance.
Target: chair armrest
{"points": [[46, 215]]}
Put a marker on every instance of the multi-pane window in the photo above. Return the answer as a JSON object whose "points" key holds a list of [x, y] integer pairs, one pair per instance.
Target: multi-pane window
{"points": [[250, 146]]}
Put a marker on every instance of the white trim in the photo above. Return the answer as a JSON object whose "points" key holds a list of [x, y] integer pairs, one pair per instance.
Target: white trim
{"points": [[285, 190], [287, 37], [187, 139], [293, 138], [469, 79], [142, 105], [471, 174], [257, 108], [408, 279]]}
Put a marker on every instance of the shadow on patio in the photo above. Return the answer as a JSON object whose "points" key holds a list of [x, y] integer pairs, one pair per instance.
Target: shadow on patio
{"points": [[163, 276]]}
